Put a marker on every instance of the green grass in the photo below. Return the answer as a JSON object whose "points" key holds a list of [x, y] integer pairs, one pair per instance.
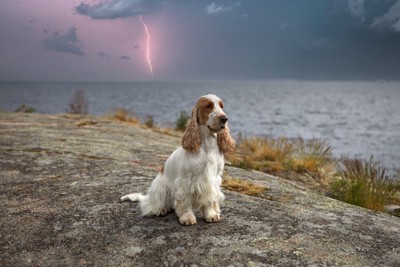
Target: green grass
{"points": [[181, 121], [363, 183], [149, 121], [25, 109]]}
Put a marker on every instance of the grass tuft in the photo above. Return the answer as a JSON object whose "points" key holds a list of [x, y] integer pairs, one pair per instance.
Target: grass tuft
{"points": [[122, 114], [25, 109], [87, 122], [292, 159], [262, 153], [242, 186], [281, 154], [149, 121], [312, 154], [363, 183]]}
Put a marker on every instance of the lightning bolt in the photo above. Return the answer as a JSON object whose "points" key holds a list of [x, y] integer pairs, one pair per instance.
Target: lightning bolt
{"points": [[148, 47]]}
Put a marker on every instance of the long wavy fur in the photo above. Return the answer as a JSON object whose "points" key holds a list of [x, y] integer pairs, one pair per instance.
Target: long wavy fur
{"points": [[191, 140], [225, 141]]}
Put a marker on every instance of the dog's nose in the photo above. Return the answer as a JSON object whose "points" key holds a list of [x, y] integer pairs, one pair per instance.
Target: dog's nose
{"points": [[224, 119]]}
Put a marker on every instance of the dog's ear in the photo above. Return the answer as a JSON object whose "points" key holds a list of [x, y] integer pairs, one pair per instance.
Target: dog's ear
{"points": [[225, 141], [191, 140]]}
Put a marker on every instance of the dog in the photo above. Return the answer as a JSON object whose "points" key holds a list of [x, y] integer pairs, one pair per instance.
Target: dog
{"points": [[190, 180]]}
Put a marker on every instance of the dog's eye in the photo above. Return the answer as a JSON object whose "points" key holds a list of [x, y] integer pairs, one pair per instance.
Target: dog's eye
{"points": [[209, 106]]}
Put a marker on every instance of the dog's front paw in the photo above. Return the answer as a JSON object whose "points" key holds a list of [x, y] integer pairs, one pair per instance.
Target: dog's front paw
{"points": [[187, 219], [213, 217]]}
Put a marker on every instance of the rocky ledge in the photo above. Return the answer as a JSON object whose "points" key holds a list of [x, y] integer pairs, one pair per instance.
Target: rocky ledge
{"points": [[61, 180]]}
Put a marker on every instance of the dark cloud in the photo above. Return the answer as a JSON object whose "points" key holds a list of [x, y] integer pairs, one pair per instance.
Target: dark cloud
{"points": [[102, 55], [117, 8], [274, 39], [283, 39], [66, 43]]}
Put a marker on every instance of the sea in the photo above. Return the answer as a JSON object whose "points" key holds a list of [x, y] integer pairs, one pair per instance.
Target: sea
{"points": [[358, 118]]}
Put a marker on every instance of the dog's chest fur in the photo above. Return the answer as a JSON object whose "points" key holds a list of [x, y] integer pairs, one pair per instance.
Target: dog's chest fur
{"points": [[211, 159]]}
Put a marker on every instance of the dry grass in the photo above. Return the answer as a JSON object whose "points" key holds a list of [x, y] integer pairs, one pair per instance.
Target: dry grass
{"points": [[312, 154], [292, 159], [262, 153], [86, 122], [122, 114], [268, 149], [364, 183], [282, 154], [242, 186], [168, 131]]}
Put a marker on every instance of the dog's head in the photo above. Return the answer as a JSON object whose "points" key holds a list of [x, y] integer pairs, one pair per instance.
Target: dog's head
{"points": [[208, 114]]}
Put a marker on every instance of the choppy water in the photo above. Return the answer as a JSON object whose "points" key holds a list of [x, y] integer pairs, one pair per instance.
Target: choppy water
{"points": [[357, 118]]}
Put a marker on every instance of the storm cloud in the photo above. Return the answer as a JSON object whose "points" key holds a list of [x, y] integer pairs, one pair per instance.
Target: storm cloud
{"points": [[102, 54], [66, 43], [123, 57], [116, 9], [218, 39]]}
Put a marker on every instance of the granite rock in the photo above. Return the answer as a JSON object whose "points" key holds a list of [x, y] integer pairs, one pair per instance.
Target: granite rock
{"points": [[61, 180]]}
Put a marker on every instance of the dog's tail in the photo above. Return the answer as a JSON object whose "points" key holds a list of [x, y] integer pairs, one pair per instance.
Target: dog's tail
{"points": [[147, 206], [133, 197]]}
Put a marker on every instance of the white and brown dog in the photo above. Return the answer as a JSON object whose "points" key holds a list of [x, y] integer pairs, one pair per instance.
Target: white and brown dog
{"points": [[190, 180]]}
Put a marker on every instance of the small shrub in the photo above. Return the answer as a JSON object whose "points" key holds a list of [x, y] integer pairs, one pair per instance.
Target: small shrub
{"points": [[25, 109], [149, 122], [363, 183], [79, 103], [181, 121]]}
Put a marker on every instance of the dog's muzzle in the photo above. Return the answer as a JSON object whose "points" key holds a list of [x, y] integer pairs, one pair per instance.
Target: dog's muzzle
{"points": [[223, 119]]}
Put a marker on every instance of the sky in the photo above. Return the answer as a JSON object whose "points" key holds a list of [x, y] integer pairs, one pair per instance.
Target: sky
{"points": [[105, 40]]}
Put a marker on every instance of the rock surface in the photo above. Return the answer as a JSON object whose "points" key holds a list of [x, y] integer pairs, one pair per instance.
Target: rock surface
{"points": [[61, 180]]}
